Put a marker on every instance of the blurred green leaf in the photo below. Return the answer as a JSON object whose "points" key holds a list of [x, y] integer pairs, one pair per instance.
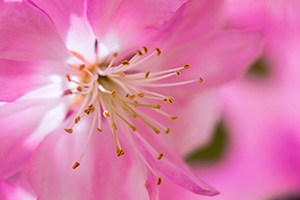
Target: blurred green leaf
{"points": [[259, 69], [215, 150]]}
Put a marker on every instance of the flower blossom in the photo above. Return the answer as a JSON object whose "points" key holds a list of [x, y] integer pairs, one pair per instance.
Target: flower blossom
{"points": [[90, 84]]}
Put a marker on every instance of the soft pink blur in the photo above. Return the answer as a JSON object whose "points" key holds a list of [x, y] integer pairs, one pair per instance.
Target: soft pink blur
{"points": [[261, 112]]}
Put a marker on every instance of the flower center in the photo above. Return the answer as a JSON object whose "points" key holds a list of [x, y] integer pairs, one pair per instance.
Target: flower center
{"points": [[116, 92]]}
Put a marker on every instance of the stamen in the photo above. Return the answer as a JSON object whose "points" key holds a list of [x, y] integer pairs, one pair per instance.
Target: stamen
{"points": [[200, 80], [68, 92], [171, 99], [68, 77], [125, 62], [147, 74], [76, 165], [160, 156], [159, 181], [99, 129], [136, 103], [145, 49], [120, 152], [113, 93], [174, 118], [131, 97], [77, 119], [79, 88], [140, 53], [90, 109], [158, 51], [186, 66], [141, 94], [177, 73], [115, 54], [128, 123], [81, 67], [143, 120], [80, 57], [69, 130], [106, 114], [168, 130]]}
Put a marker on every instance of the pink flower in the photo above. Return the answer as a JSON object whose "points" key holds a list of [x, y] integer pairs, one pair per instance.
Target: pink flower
{"points": [[80, 72]]}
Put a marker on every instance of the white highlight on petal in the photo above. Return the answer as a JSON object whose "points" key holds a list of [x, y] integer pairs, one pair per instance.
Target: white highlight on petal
{"points": [[55, 78], [80, 38], [51, 120]]}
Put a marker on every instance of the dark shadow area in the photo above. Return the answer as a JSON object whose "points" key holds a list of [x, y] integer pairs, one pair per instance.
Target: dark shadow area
{"points": [[215, 150]]}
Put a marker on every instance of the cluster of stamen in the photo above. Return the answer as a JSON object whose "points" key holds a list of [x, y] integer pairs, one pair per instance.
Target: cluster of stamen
{"points": [[115, 92]]}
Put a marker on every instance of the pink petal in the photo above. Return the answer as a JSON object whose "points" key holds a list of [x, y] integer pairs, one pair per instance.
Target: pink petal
{"points": [[194, 19], [6, 190], [18, 122], [52, 177], [28, 33], [130, 22], [61, 11], [19, 77], [70, 19], [171, 166]]}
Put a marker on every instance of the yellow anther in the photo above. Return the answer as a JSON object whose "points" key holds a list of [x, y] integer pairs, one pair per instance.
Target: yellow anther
{"points": [[99, 129], [147, 74], [76, 165], [81, 67], [157, 106], [68, 92], [69, 130], [131, 97], [156, 131], [125, 62], [171, 99], [145, 49], [174, 118], [159, 181], [127, 95], [77, 119], [79, 88], [177, 73], [168, 130], [158, 51], [200, 80], [186, 66], [121, 74], [133, 128], [115, 54], [113, 93], [106, 114], [160, 156], [136, 103], [90, 109], [68, 77], [165, 100], [120, 152], [139, 52], [141, 94]]}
